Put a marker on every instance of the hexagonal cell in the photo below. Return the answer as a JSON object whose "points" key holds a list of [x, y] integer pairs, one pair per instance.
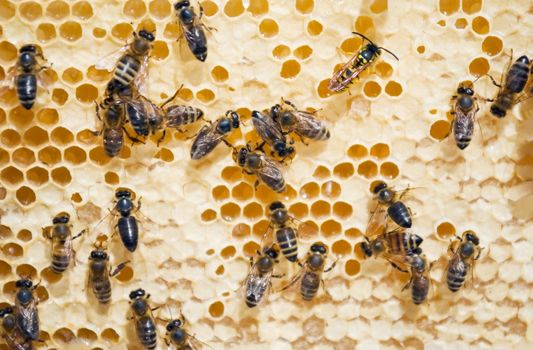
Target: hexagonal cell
{"points": [[303, 52], [234, 8], [448, 7], [8, 9], [352, 267], [86, 335], [344, 170], [75, 155], [314, 27], [242, 192], [250, 248], [341, 247], [330, 228], [389, 170], [231, 174], [61, 176], [440, 130], [342, 210], [30, 10], [372, 89], [259, 228], [126, 274], [357, 151], [35, 136], [98, 156], [20, 117], [160, 8], [209, 215], [253, 211], [320, 209], [461, 23], [241, 231], [110, 335], [309, 190], [59, 96], [290, 69], [321, 172], [268, 27], [12, 250], [86, 93], [331, 189], [304, 6], [48, 116], [219, 74], [24, 235], [11, 176], [45, 32], [5, 269], [37, 176], [480, 25], [323, 90], [479, 66], [445, 230], [492, 45], [26, 270], [228, 252], [25, 195], [216, 309], [83, 10], [70, 31], [5, 232], [58, 9], [393, 89], [258, 7], [10, 138], [230, 211], [367, 169], [49, 155], [472, 6], [134, 8], [299, 210], [281, 51]]}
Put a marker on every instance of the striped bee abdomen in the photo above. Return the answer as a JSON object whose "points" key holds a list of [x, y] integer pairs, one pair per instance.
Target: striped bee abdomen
{"points": [[60, 262], [309, 286], [518, 74], [419, 289], [102, 290], [400, 214], [146, 332], [288, 244], [180, 115], [127, 69], [26, 84], [113, 141], [129, 232], [457, 271]]}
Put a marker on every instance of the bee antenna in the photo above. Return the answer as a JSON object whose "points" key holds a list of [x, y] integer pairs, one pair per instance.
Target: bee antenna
{"points": [[392, 54], [364, 37]]}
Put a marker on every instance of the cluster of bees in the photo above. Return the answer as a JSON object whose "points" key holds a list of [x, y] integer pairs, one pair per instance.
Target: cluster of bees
{"points": [[125, 103]]}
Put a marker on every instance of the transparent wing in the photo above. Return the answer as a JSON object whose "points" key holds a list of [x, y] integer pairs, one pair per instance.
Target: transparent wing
{"points": [[307, 123], [141, 80], [9, 80], [399, 262], [195, 343], [257, 286], [294, 279], [109, 61], [377, 224], [270, 173], [268, 237], [338, 83], [267, 128], [205, 141]]}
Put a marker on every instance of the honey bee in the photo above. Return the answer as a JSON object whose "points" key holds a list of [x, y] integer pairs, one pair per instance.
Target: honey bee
{"points": [[60, 235], [271, 134], [303, 123], [266, 170], [192, 29], [310, 276], [345, 77], [464, 251], [211, 135], [26, 314], [286, 236], [130, 62], [112, 126], [9, 332], [179, 338], [464, 111], [396, 209], [127, 226], [420, 280], [394, 246], [259, 279], [25, 74], [515, 82], [99, 275], [144, 320]]}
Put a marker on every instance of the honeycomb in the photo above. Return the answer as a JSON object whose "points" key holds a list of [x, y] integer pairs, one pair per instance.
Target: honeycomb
{"points": [[201, 221]]}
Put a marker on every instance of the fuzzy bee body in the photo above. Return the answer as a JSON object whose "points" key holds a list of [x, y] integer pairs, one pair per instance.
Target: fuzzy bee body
{"points": [[181, 115], [267, 170], [9, 333], [127, 226], [464, 252], [60, 235], [145, 326], [420, 281], [25, 311], [259, 279], [515, 82], [211, 135], [286, 235], [396, 209], [192, 29], [271, 133], [100, 273]]}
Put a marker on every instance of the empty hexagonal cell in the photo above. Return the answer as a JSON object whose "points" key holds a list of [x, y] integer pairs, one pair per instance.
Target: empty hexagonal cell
{"points": [[37, 176], [344, 170], [240, 231], [242, 191], [331, 189], [320, 209], [268, 28], [230, 211], [234, 8], [209, 215], [309, 190], [367, 169], [253, 210], [11, 176], [83, 10]]}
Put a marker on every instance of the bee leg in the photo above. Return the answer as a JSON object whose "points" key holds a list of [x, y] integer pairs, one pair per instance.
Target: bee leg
{"points": [[227, 143], [171, 98], [162, 137], [260, 146], [408, 284], [133, 139], [398, 268], [332, 266], [251, 261], [278, 276], [200, 18], [79, 234], [256, 183], [118, 268], [302, 140]]}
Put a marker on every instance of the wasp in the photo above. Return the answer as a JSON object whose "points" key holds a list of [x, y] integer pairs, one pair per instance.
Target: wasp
{"points": [[99, 275], [302, 123], [345, 77], [192, 28], [271, 134], [211, 135], [26, 314], [286, 235], [127, 225], [464, 111], [130, 62], [259, 279], [515, 82], [26, 73], [310, 275], [9, 332], [464, 251], [420, 280], [144, 320], [179, 338], [396, 209], [60, 235], [394, 246], [266, 170]]}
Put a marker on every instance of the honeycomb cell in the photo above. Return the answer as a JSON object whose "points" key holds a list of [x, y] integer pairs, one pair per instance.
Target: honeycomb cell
{"points": [[3, 193], [205, 96], [146, 24], [383, 69], [368, 169], [86, 335], [122, 31], [372, 89], [210, 8], [24, 235], [2, 112], [342, 210], [45, 32], [344, 170], [330, 228], [448, 7], [461, 23], [61, 176], [209, 215], [323, 90], [303, 52], [310, 190], [48, 116], [260, 228], [5, 269], [75, 155], [30, 10], [258, 7], [59, 96], [76, 197], [37, 176], [353, 233], [268, 28], [10, 138], [331, 189], [364, 25], [492, 45], [134, 8], [70, 31], [234, 8], [23, 156], [99, 32], [26, 270], [219, 74], [242, 191], [57, 9], [72, 75], [228, 252], [49, 155], [98, 156], [110, 335], [172, 31], [86, 93], [160, 8], [240, 231], [314, 28], [11, 175], [321, 172], [479, 66], [61, 136], [341, 247], [5, 232], [352, 267], [185, 94], [111, 178], [20, 117], [35, 136], [445, 230], [220, 270], [290, 69], [440, 129], [8, 51], [7, 9], [393, 89], [126, 274], [83, 10], [230, 211], [25, 195], [472, 6], [421, 49], [160, 50], [299, 210], [250, 248], [220, 193], [380, 150], [480, 25], [305, 6], [389, 170], [379, 6], [98, 75], [281, 51], [231, 174], [357, 151], [4, 157], [253, 211], [320, 209]]}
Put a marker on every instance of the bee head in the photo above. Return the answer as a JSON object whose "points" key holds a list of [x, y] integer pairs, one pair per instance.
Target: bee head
{"points": [[122, 193], [174, 324], [381, 185], [471, 236], [278, 212], [467, 249], [523, 59], [257, 115], [136, 294], [271, 252], [181, 4], [24, 283], [61, 218], [384, 194], [239, 155], [147, 35], [28, 48], [370, 51], [98, 254], [319, 247]]}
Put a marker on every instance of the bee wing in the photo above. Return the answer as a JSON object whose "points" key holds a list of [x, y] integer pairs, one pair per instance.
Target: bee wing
{"points": [[268, 239], [307, 123], [141, 80], [294, 279], [109, 61], [9, 80], [267, 128], [14, 341], [397, 261], [205, 141], [27, 320], [377, 224], [270, 173], [195, 343], [257, 285]]}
